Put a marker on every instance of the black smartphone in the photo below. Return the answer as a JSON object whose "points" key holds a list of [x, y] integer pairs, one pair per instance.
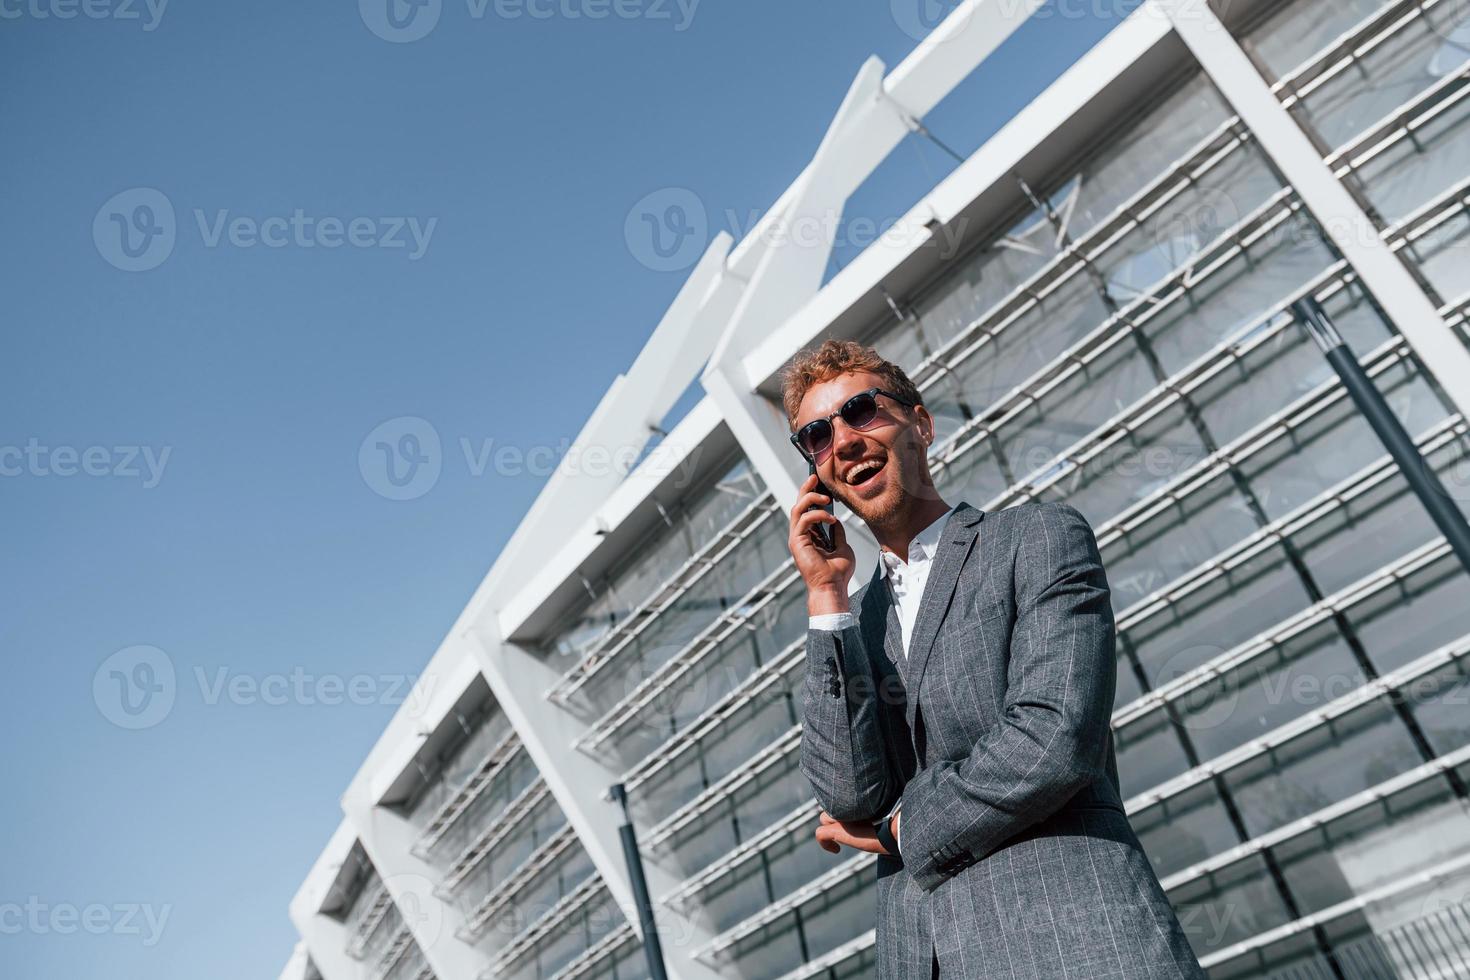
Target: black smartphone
{"points": [[826, 533]]}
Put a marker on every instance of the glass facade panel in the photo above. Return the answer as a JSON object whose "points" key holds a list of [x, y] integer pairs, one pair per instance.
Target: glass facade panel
{"points": [[758, 636], [734, 817], [1402, 98], [807, 930], [1253, 597], [1440, 704], [1410, 833], [1403, 65], [1237, 903], [1321, 768], [1296, 31], [377, 934], [1429, 608], [690, 524], [1414, 171], [718, 752], [1191, 111], [1442, 256], [1185, 829], [777, 869]]}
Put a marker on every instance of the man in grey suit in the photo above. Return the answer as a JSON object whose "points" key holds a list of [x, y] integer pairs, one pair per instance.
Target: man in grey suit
{"points": [[957, 706]]}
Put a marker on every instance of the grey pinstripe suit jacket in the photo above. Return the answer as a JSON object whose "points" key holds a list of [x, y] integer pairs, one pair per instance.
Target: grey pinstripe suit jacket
{"points": [[1018, 860]]}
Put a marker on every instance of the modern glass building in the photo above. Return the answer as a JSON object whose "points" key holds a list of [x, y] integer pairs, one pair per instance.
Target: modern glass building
{"points": [[1094, 304]]}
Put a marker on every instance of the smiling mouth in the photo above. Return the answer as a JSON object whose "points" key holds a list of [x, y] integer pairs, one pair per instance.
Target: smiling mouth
{"points": [[864, 472]]}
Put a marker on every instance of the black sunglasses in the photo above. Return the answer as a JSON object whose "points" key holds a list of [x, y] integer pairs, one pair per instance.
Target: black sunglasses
{"points": [[859, 412]]}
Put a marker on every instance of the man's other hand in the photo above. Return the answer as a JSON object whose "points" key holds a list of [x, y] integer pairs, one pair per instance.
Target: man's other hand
{"points": [[832, 834]]}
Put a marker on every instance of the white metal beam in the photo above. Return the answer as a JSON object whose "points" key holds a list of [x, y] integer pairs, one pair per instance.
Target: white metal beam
{"points": [[388, 838], [624, 420], [583, 533], [789, 272], [324, 937], [578, 782], [991, 164], [296, 966], [1354, 234], [875, 116]]}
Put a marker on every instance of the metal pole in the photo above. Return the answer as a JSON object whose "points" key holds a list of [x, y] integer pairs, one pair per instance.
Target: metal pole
{"points": [[651, 946], [1416, 469]]}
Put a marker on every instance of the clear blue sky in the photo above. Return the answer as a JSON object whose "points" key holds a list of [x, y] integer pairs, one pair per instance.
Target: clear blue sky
{"points": [[180, 446]]}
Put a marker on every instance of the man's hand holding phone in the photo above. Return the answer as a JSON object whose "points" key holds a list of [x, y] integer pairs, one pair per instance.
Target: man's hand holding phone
{"points": [[826, 573]]}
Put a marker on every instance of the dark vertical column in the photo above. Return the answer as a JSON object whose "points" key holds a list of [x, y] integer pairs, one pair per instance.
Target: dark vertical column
{"points": [[1416, 469], [651, 946]]}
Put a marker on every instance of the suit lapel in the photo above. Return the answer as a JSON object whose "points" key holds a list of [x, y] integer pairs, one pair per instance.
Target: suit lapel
{"points": [[874, 617], [882, 628], [954, 547], [893, 632]]}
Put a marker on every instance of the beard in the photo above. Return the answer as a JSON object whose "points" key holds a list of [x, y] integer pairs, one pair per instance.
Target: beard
{"points": [[908, 483]]}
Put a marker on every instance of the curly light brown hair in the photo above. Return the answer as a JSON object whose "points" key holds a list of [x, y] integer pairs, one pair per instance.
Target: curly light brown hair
{"points": [[813, 366]]}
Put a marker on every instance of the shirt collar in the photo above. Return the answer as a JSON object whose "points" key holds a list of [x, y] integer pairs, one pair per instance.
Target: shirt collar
{"points": [[925, 543]]}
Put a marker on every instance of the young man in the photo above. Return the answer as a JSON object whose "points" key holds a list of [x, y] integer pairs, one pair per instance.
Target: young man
{"points": [[957, 707]]}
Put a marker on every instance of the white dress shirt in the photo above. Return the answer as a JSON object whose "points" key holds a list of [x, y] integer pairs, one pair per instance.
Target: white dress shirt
{"points": [[905, 581], [906, 587]]}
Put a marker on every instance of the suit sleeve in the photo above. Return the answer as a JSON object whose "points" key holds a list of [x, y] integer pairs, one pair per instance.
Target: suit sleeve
{"points": [[1051, 741], [844, 751]]}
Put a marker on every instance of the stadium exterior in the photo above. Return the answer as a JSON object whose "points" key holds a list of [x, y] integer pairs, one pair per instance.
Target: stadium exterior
{"points": [[1294, 634]]}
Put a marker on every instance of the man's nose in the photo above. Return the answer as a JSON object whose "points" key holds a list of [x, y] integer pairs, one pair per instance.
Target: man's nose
{"points": [[847, 442]]}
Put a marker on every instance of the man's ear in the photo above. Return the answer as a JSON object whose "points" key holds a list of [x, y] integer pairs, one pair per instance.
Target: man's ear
{"points": [[926, 424]]}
